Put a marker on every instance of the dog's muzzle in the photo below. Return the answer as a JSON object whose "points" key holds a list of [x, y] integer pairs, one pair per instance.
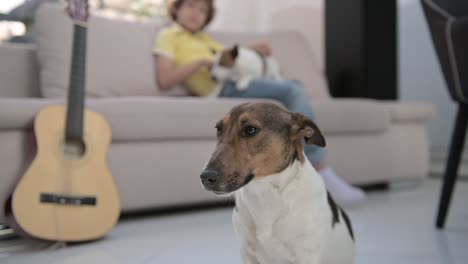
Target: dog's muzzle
{"points": [[209, 179]]}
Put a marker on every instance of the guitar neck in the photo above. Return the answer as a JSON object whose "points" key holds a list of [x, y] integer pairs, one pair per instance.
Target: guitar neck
{"points": [[76, 92]]}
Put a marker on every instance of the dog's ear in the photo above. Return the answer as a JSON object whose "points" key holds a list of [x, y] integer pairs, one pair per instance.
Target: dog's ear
{"points": [[304, 128], [235, 51]]}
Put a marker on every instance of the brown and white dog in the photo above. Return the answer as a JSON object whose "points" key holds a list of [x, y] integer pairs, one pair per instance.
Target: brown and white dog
{"points": [[242, 65], [283, 212]]}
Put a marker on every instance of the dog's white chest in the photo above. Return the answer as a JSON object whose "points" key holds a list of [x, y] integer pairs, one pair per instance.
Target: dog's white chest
{"points": [[284, 218]]}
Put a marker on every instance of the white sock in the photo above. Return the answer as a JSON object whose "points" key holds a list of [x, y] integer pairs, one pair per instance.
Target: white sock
{"points": [[342, 192]]}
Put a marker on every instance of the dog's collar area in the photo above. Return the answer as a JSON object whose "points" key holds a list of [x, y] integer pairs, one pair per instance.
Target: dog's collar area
{"points": [[282, 179]]}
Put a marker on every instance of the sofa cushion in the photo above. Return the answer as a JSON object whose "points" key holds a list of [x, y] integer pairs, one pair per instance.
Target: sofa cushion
{"points": [[143, 118], [160, 118], [119, 59], [134, 118]]}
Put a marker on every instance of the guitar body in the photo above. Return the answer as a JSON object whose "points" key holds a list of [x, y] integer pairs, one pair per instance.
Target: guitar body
{"points": [[68, 193]]}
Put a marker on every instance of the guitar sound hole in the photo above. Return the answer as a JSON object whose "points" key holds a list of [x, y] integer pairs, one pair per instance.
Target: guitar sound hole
{"points": [[73, 149]]}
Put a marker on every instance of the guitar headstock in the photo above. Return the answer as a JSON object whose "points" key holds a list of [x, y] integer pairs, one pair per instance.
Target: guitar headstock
{"points": [[78, 10]]}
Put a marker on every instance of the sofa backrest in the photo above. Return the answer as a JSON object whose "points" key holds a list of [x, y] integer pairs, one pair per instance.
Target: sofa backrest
{"points": [[118, 63], [307, 19], [119, 55]]}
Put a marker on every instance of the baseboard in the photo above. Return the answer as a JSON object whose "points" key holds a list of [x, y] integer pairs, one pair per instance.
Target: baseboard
{"points": [[177, 209], [439, 160], [375, 187], [6, 233]]}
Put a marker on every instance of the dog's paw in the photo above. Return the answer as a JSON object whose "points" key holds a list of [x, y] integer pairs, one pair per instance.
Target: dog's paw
{"points": [[243, 84], [242, 87]]}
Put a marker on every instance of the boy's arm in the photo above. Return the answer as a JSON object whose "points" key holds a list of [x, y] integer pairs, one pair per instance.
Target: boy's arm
{"points": [[167, 75], [261, 47]]}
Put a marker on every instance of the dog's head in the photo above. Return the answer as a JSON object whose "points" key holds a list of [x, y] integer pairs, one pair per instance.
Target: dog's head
{"points": [[256, 140], [224, 63]]}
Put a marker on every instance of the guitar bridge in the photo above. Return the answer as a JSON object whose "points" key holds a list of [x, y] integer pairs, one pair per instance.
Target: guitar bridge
{"points": [[68, 200]]}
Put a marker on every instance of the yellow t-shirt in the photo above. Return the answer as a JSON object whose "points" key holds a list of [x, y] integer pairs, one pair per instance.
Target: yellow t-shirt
{"points": [[184, 48]]}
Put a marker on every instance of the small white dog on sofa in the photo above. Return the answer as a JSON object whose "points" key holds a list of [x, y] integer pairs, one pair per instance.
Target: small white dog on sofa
{"points": [[242, 65]]}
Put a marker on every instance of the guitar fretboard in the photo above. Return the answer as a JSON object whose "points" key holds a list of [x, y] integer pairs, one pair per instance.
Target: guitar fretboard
{"points": [[76, 93]]}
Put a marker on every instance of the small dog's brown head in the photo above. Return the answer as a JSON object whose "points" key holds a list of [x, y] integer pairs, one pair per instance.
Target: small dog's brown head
{"points": [[223, 63], [256, 140]]}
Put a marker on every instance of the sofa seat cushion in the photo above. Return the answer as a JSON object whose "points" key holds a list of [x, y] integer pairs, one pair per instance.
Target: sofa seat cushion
{"points": [[166, 118], [134, 118]]}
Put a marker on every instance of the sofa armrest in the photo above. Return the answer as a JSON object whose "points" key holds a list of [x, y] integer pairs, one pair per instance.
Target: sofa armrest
{"points": [[18, 113], [349, 115], [403, 112], [19, 75]]}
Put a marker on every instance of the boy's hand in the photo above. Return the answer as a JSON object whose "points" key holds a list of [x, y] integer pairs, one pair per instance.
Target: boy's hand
{"points": [[263, 48], [205, 62]]}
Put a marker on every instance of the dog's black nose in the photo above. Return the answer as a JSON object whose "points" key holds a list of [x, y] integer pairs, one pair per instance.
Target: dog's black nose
{"points": [[214, 78], [209, 178]]}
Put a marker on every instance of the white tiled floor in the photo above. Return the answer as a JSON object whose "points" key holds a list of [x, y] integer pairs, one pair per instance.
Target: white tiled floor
{"points": [[391, 227]]}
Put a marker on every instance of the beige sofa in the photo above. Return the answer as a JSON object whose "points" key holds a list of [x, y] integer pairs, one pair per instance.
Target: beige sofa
{"points": [[160, 141]]}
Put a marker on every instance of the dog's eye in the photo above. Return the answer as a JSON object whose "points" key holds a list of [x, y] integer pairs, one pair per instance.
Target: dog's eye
{"points": [[249, 131]]}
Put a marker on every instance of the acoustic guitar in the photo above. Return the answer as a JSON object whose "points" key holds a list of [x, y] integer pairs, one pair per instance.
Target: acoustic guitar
{"points": [[68, 194]]}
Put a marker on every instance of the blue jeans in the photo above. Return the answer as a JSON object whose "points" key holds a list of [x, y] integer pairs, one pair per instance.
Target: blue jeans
{"points": [[290, 93]]}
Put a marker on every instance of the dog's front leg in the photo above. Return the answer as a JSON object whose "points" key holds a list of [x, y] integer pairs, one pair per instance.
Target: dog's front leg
{"points": [[244, 82], [308, 259], [244, 228], [308, 251], [248, 257]]}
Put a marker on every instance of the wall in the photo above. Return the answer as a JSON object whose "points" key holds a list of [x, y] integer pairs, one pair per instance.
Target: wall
{"points": [[420, 74]]}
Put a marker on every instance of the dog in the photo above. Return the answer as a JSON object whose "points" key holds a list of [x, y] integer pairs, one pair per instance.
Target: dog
{"points": [[283, 212], [242, 65]]}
